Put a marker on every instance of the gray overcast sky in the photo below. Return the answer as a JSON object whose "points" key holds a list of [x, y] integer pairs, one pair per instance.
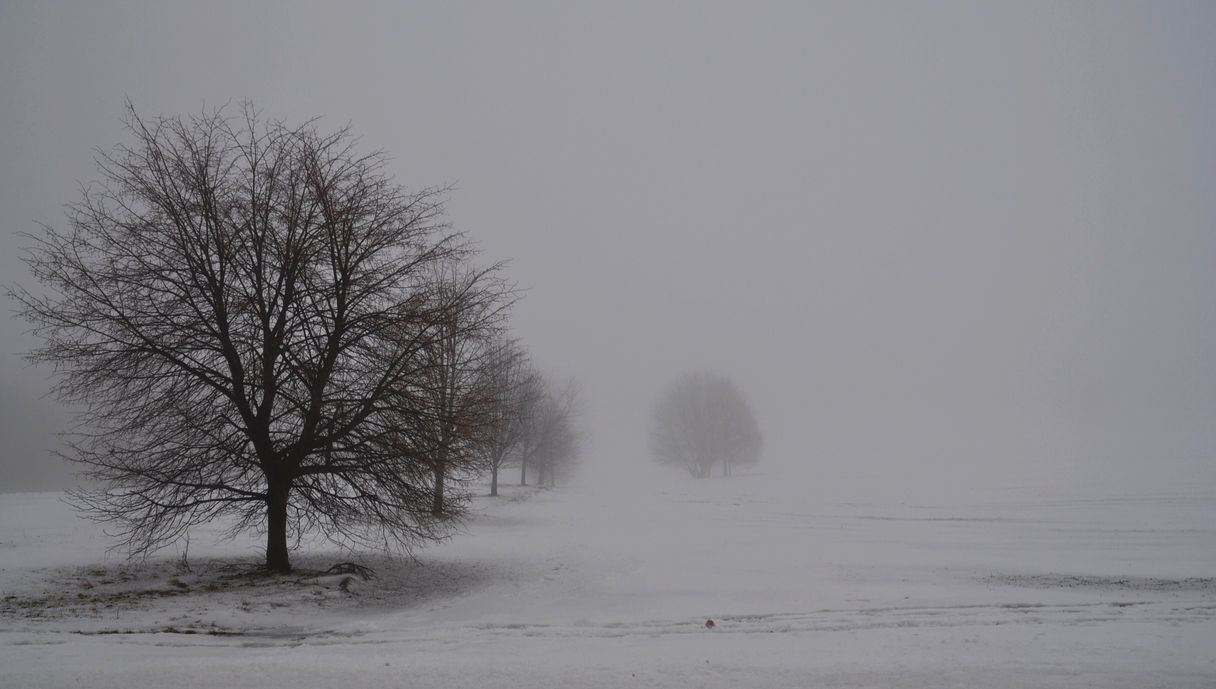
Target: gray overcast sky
{"points": [[926, 239]]}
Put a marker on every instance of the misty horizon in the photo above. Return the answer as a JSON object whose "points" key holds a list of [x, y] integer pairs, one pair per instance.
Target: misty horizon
{"points": [[648, 343], [941, 240]]}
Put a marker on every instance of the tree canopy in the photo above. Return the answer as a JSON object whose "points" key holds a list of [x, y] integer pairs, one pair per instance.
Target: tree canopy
{"points": [[243, 310], [700, 420]]}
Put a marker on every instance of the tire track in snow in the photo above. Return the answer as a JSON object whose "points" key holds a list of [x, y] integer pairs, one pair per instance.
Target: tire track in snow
{"points": [[888, 618], [819, 621]]}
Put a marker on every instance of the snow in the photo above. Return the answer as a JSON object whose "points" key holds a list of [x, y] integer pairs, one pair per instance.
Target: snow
{"points": [[586, 586]]}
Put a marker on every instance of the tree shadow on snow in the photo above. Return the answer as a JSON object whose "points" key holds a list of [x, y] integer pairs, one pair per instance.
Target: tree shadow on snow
{"points": [[146, 594]]}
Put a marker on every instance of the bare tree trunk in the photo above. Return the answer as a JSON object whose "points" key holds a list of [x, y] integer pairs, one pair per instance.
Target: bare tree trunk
{"points": [[277, 559], [494, 481], [437, 505], [523, 471]]}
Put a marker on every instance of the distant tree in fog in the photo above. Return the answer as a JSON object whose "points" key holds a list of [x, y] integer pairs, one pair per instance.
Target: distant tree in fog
{"points": [[700, 420], [517, 390], [551, 442], [441, 415]]}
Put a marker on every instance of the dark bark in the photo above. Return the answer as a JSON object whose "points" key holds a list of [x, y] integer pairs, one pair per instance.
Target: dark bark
{"points": [[494, 481], [277, 557], [437, 505]]}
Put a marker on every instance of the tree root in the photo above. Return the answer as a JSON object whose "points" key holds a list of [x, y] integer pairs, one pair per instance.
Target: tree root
{"points": [[364, 573]]}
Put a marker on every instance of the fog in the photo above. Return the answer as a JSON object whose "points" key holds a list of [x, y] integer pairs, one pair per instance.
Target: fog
{"points": [[932, 243]]}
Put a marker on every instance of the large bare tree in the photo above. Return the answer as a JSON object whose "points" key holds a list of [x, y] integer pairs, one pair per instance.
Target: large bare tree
{"points": [[232, 306], [702, 419]]}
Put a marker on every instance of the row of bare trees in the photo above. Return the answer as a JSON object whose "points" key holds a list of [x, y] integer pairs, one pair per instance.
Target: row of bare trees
{"points": [[488, 407], [533, 424], [256, 322]]}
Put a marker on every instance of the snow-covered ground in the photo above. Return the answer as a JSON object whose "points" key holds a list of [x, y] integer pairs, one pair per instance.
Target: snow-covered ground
{"points": [[584, 587]]}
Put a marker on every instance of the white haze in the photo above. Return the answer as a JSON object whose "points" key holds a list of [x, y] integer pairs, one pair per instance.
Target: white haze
{"points": [[933, 242]]}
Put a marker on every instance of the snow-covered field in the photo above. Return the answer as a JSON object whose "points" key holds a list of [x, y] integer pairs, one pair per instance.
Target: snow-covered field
{"points": [[580, 587]]}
